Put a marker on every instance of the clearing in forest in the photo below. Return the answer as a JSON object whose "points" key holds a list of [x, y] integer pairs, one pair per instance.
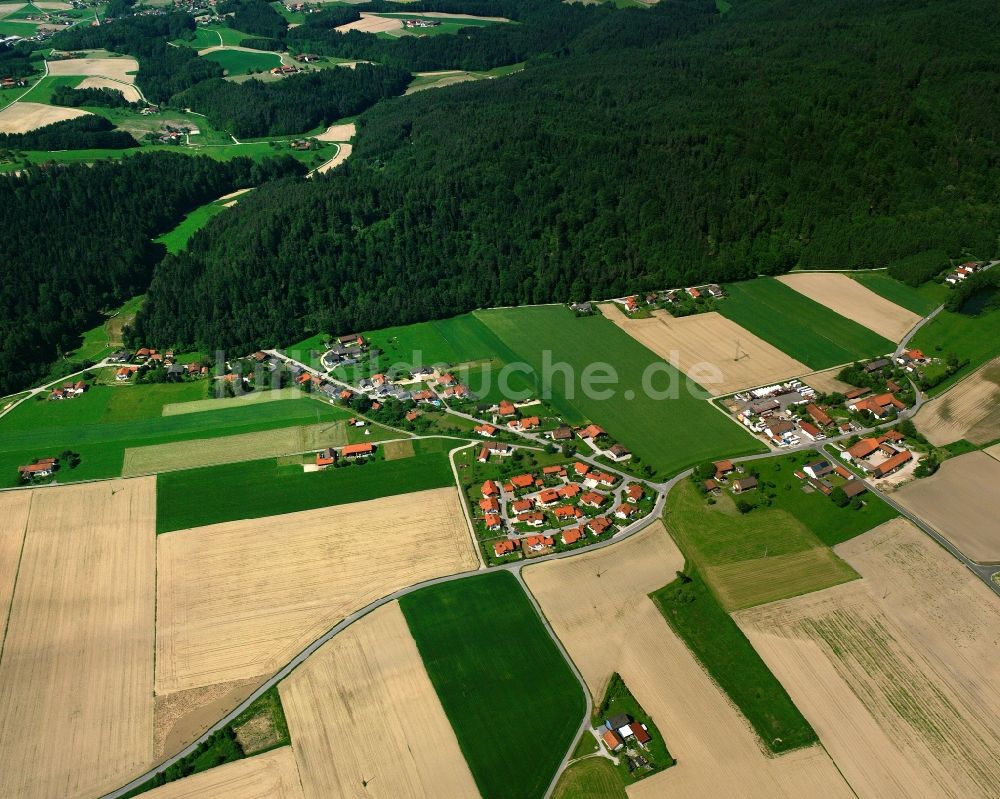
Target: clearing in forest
{"points": [[370, 677], [596, 602], [240, 599], [961, 501], [852, 300], [710, 349], [76, 674], [898, 671]]}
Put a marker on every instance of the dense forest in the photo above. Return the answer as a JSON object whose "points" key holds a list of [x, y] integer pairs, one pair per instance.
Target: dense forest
{"points": [[81, 133], [652, 148], [104, 97], [296, 104], [163, 70], [81, 243], [255, 16]]}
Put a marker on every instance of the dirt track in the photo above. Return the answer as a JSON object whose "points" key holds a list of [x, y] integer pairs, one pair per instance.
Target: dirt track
{"points": [[338, 133], [239, 599], [598, 605], [76, 677], [897, 672], [362, 708], [705, 347], [850, 299]]}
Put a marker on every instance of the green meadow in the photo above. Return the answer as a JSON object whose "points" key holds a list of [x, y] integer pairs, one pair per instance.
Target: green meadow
{"points": [[240, 62], [270, 487], [921, 300], [104, 422], [668, 434], [799, 326], [972, 337], [512, 699], [177, 239]]}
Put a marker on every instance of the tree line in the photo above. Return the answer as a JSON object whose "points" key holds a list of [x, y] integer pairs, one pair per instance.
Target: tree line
{"points": [[658, 147], [255, 16], [295, 104], [89, 132], [103, 97], [78, 243]]}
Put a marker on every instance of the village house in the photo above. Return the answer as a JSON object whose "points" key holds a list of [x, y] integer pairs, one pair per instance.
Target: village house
{"points": [[493, 521], [489, 505], [591, 433], [490, 489], [562, 433], [43, 467], [693, 293], [592, 499], [581, 469], [522, 505], [536, 543], [612, 740], [618, 453], [625, 511], [711, 487], [547, 497], [811, 431], [861, 450], [818, 469], [522, 481], [582, 308], [879, 406], [554, 471], [634, 492], [566, 512], [125, 373], [573, 535], [744, 484], [507, 408], [505, 547], [533, 519], [569, 490], [599, 525], [631, 304], [487, 430], [723, 468], [853, 488]]}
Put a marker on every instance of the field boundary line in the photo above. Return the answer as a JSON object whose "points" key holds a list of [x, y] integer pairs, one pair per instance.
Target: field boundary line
{"points": [[17, 572], [465, 505]]}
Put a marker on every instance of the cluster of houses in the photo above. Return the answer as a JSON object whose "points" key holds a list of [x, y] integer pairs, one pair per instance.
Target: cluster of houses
{"points": [[879, 456], [962, 272], [11, 83], [329, 456], [285, 69], [68, 391], [38, 469], [574, 502], [421, 23], [150, 358], [816, 476], [634, 302], [622, 730], [347, 351], [727, 474], [307, 58], [768, 413]]}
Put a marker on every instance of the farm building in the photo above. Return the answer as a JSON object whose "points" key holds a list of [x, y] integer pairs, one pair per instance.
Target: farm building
{"points": [[744, 484], [358, 450]]}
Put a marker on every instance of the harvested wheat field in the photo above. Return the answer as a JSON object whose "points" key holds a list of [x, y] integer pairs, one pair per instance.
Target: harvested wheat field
{"points": [[370, 23], [850, 299], [826, 382], [10, 8], [14, 507], [229, 449], [970, 410], [21, 117], [129, 92], [897, 672], [119, 69], [704, 347], [338, 133], [76, 675], [371, 678], [343, 153], [272, 775], [961, 501], [240, 599], [596, 602]]}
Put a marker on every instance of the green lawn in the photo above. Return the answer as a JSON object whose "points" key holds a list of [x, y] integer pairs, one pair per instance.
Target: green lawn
{"points": [[106, 420], [254, 489], [240, 62], [177, 239], [976, 338], [669, 434], [512, 699], [692, 611], [593, 778], [799, 326], [209, 36], [14, 28], [921, 300]]}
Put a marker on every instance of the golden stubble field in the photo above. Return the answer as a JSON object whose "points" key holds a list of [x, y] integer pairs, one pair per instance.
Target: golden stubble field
{"points": [[129, 92], [362, 708], [850, 299], [692, 342], [969, 410], [962, 502], [272, 775], [76, 673], [599, 607], [370, 23], [120, 69], [897, 672], [240, 599], [22, 117], [14, 509]]}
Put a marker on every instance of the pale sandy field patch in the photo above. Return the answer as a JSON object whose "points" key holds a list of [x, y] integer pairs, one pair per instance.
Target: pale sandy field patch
{"points": [[221, 403], [121, 69], [129, 92], [826, 381], [240, 599], [234, 194], [370, 23], [852, 300], [969, 410], [343, 153], [692, 342], [76, 676], [598, 605], [272, 775], [338, 133], [961, 501], [14, 507], [21, 117], [444, 80], [10, 8], [897, 672], [363, 708], [229, 449], [52, 5], [180, 717], [394, 450]]}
